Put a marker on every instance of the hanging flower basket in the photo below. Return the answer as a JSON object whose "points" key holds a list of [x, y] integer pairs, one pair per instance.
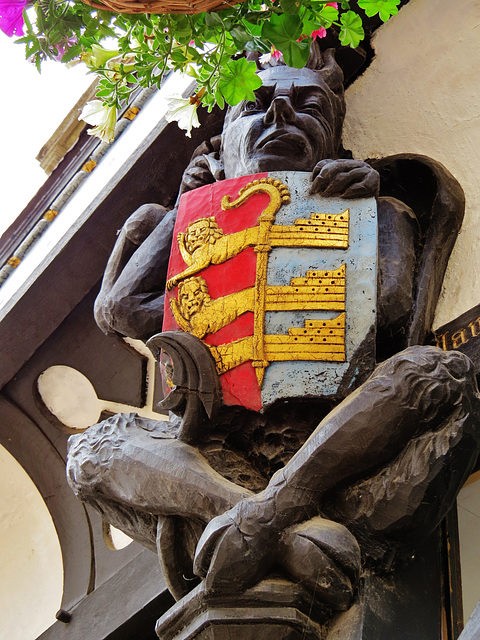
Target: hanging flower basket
{"points": [[162, 6]]}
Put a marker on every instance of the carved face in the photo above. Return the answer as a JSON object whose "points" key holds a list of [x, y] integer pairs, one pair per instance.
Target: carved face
{"points": [[191, 296], [290, 126], [198, 234]]}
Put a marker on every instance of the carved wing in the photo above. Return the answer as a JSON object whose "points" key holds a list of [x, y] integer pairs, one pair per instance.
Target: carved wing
{"points": [[438, 201]]}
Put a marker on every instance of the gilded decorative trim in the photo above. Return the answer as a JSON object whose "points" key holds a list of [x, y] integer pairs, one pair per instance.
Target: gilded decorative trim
{"points": [[89, 166], [50, 215], [131, 113]]}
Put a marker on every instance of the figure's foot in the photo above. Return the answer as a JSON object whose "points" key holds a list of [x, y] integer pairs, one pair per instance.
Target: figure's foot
{"points": [[238, 548], [242, 546], [325, 558]]}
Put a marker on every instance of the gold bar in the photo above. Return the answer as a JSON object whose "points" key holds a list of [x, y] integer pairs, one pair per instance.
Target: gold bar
{"points": [[309, 306], [320, 225], [290, 355], [306, 242], [307, 347]]}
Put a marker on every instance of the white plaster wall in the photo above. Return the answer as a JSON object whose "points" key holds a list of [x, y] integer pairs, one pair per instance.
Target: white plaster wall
{"points": [[31, 571], [421, 94]]}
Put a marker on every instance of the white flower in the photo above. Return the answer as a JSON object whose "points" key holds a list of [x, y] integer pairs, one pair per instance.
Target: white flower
{"points": [[98, 57], [115, 65], [264, 58], [184, 112], [103, 117]]}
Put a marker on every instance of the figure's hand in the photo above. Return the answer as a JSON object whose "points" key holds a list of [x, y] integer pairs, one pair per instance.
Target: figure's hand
{"points": [[197, 174], [345, 179], [240, 547]]}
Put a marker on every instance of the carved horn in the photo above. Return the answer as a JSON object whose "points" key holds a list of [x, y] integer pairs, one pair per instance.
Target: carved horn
{"points": [[325, 64]]}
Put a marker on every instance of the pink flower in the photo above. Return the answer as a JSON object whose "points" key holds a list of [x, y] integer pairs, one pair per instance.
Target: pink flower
{"points": [[275, 53], [11, 17], [63, 46], [332, 4], [319, 33]]}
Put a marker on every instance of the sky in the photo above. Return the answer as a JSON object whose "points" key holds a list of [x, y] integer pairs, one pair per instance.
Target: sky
{"points": [[32, 107]]}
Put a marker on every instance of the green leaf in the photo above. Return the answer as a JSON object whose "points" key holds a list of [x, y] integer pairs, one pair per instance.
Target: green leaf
{"points": [[213, 20], [219, 99], [384, 8], [257, 17], [240, 36], [177, 55], [291, 7], [256, 44], [296, 53], [238, 81], [283, 32], [351, 31], [328, 15], [72, 52]]}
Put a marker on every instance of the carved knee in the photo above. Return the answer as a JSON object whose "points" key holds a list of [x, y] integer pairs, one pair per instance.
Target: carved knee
{"points": [[432, 381], [93, 454], [90, 454]]}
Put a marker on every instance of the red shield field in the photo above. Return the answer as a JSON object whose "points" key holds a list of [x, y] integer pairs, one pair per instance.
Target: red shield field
{"points": [[239, 385]]}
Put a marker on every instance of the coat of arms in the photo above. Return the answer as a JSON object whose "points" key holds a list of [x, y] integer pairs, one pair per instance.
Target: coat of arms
{"points": [[279, 284]]}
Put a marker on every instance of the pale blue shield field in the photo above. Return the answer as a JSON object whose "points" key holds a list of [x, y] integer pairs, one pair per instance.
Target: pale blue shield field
{"points": [[300, 378]]}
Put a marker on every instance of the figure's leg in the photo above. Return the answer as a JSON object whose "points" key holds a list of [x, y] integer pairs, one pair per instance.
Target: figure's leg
{"points": [[400, 506], [418, 390], [132, 470]]}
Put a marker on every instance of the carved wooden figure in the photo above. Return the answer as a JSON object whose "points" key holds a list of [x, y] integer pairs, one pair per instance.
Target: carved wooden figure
{"points": [[241, 499]]}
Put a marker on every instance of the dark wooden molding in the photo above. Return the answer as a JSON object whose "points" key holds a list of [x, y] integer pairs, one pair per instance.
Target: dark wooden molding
{"points": [[124, 607], [452, 583]]}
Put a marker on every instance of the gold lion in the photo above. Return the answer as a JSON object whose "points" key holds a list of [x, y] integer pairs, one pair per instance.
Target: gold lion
{"points": [[204, 243], [196, 312]]}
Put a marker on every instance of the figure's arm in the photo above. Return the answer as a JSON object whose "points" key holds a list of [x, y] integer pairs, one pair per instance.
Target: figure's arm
{"points": [[131, 298], [204, 167]]}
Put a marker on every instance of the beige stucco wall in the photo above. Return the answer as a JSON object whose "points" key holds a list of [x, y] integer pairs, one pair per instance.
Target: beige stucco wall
{"points": [[31, 572], [421, 94]]}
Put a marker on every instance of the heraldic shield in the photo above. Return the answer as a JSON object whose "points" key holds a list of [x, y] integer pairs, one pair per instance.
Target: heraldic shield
{"points": [[279, 284]]}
